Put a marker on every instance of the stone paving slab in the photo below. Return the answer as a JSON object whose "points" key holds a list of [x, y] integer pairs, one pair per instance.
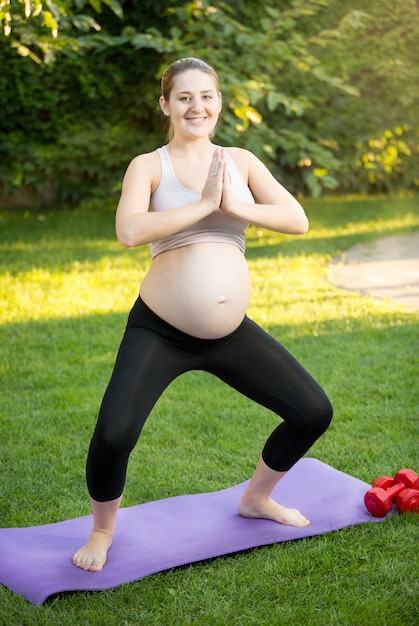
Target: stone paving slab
{"points": [[387, 268]]}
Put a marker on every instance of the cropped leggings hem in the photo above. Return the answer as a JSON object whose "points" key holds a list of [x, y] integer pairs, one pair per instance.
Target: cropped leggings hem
{"points": [[153, 353]]}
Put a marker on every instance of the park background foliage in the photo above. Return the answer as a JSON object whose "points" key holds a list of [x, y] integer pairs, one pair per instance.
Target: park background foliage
{"points": [[324, 91]]}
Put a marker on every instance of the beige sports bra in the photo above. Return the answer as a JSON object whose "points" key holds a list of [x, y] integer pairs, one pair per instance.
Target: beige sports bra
{"points": [[215, 228]]}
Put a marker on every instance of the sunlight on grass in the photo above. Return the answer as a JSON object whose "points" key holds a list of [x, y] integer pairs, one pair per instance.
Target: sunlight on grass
{"points": [[66, 286], [60, 277], [42, 294]]}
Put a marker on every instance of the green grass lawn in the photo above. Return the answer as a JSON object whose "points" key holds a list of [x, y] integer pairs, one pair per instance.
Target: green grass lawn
{"points": [[66, 287]]}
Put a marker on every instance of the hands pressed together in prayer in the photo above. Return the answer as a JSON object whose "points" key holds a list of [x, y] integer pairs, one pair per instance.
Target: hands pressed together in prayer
{"points": [[217, 189]]}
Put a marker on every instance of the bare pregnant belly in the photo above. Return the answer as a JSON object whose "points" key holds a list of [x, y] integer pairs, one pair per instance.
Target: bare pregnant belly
{"points": [[202, 289]]}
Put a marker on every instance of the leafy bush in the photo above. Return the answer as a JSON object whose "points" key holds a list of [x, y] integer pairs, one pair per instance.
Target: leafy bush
{"points": [[320, 118]]}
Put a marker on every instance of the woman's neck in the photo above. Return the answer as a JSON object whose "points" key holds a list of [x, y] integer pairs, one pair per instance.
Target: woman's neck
{"points": [[195, 147]]}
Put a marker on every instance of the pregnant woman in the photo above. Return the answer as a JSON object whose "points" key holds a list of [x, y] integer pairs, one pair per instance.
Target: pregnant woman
{"points": [[192, 202]]}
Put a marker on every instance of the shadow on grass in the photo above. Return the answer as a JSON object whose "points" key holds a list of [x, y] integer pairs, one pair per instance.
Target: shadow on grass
{"points": [[306, 246], [63, 239], [54, 373], [74, 356], [55, 254]]}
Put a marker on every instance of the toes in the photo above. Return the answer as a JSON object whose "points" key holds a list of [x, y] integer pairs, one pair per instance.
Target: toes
{"points": [[293, 517], [82, 562], [79, 561], [273, 511], [88, 563], [95, 567]]}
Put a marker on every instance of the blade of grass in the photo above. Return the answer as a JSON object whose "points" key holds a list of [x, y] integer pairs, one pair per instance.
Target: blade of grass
{"points": [[66, 287]]}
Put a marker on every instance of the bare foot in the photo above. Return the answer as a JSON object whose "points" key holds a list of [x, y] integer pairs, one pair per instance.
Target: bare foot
{"points": [[92, 556], [269, 509]]}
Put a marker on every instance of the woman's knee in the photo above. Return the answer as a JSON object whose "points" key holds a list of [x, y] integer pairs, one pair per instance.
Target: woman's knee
{"points": [[321, 415], [112, 439]]}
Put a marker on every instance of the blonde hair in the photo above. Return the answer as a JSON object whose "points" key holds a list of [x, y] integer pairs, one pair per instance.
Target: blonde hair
{"points": [[178, 67]]}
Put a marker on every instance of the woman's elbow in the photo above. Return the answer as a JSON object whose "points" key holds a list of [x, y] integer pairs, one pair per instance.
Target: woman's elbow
{"points": [[306, 225], [301, 225], [126, 238]]}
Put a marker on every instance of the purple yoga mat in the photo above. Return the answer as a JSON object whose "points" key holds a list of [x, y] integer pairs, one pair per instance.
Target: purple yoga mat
{"points": [[36, 563]]}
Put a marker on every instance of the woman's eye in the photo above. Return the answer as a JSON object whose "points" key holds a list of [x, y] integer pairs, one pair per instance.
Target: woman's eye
{"points": [[188, 98]]}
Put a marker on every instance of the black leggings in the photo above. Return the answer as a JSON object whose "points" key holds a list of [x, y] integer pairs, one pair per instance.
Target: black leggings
{"points": [[153, 353]]}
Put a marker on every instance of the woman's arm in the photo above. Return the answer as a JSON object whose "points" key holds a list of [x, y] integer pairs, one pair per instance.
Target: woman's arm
{"points": [[136, 225], [276, 208]]}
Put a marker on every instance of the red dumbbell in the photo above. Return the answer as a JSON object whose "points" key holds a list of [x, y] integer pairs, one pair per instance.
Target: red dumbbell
{"points": [[408, 501], [379, 499]]}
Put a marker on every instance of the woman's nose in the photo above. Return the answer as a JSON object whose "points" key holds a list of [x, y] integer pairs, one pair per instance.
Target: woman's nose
{"points": [[196, 105]]}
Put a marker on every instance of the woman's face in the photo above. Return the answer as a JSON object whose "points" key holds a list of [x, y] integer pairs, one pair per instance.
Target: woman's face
{"points": [[194, 104]]}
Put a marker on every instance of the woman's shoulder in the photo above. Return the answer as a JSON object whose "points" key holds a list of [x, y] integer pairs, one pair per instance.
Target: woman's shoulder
{"points": [[243, 159], [146, 159], [238, 152], [147, 162], [240, 156], [144, 166]]}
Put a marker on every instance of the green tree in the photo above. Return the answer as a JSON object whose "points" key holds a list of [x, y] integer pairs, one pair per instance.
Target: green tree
{"points": [[375, 136], [72, 121], [257, 47], [41, 29]]}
